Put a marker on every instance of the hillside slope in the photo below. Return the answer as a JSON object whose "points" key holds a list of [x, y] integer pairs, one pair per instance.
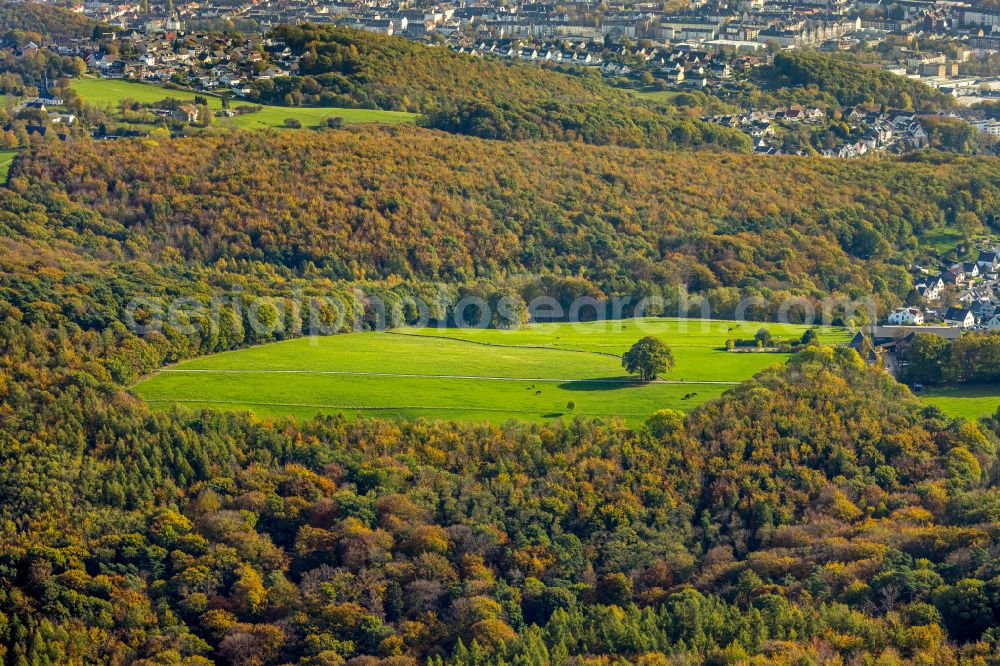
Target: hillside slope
{"points": [[50, 21], [850, 84], [481, 96], [818, 512], [367, 69], [378, 202]]}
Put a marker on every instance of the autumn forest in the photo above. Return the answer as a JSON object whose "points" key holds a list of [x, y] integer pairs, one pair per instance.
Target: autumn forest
{"points": [[817, 513]]}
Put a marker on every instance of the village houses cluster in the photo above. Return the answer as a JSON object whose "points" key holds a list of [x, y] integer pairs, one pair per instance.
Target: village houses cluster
{"points": [[965, 295], [203, 61], [886, 131]]}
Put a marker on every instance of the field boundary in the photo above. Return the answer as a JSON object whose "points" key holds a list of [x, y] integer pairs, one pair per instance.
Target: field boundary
{"points": [[402, 375]]}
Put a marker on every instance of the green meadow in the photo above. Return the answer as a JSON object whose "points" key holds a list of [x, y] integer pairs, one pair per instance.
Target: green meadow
{"points": [[6, 159], [656, 95], [109, 92], [970, 402], [541, 372], [942, 240], [699, 345]]}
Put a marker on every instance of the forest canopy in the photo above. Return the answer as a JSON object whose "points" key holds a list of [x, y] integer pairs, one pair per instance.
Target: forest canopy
{"points": [[347, 67], [50, 22], [850, 83], [817, 513], [373, 203]]}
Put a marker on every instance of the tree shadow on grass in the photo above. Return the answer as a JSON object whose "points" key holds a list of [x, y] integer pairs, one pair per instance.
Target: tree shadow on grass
{"points": [[602, 384]]}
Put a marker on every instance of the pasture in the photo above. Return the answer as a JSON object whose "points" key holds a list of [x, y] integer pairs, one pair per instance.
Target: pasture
{"points": [[542, 372], [109, 92], [970, 402], [665, 96], [699, 345], [6, 159]]}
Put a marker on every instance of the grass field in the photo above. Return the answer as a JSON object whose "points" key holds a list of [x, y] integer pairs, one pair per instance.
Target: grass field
{"points": [[656, 95], [698, 344], [108, 92], [942, 240], [530, 374], [6, 158], [973, 402]]}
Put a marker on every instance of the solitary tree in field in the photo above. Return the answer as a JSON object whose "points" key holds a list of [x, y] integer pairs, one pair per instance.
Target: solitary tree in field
{"points": [[648, 358]]}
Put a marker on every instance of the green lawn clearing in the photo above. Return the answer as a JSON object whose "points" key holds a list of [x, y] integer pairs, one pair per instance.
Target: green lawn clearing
{"points": [[656, 95], [699, 345], [6, 159], [970, 402], [942, 240], [539, 373], [109, 92]]}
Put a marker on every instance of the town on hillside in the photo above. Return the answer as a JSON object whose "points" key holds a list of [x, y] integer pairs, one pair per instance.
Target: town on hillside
{"points": [[675, 53]]}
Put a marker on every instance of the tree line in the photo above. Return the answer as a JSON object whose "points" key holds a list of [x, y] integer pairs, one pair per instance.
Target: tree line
{"points": [[971, 359]]}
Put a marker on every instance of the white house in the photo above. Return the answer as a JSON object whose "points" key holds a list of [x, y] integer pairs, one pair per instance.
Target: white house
{"points": [[962, 317], [272, 72], [187, 112], [48, 98], [62, 118], [906, 317], [931, 289]]}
